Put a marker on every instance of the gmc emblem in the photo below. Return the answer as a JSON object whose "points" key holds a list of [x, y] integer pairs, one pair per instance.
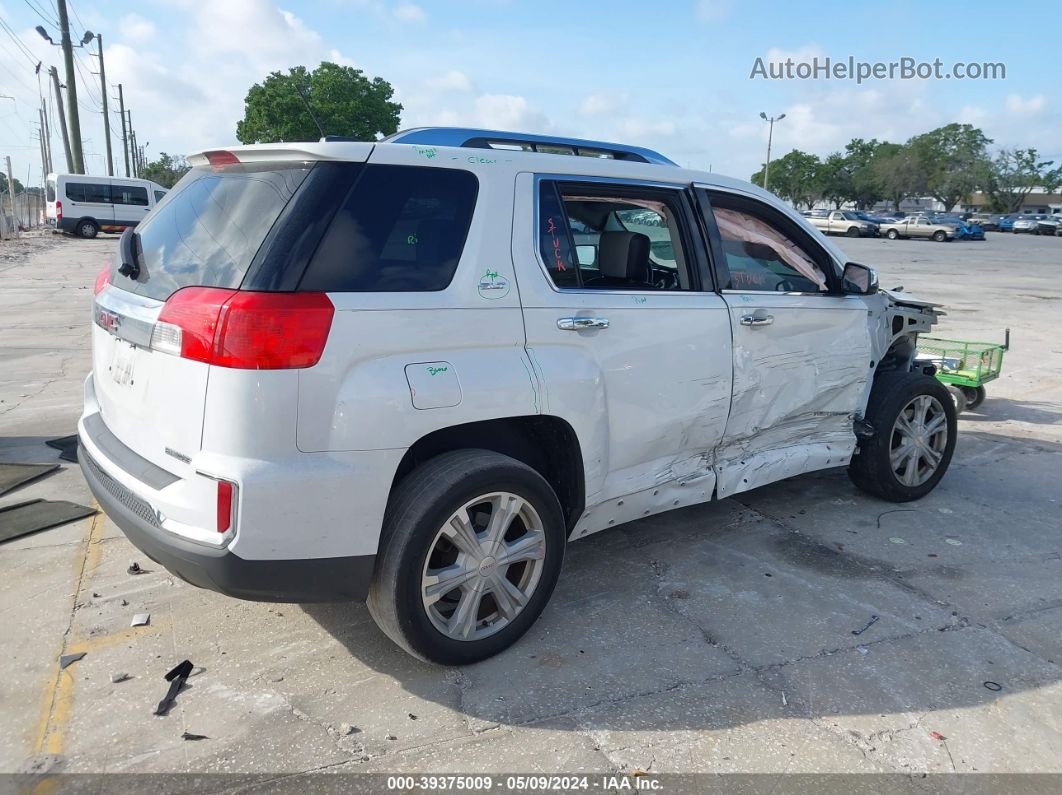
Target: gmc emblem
{"points": [[107, 320]]}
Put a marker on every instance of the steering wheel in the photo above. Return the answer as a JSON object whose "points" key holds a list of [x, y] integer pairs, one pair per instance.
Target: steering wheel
{"points": [[784, 286]]}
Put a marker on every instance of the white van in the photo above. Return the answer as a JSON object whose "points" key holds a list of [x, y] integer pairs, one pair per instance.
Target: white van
{"points": [[85, 205]]}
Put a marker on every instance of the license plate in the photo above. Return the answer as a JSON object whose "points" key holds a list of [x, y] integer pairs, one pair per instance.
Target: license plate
{"points": [[122, 360]]}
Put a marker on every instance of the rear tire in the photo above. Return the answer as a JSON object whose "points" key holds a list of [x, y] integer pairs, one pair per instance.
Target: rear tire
{"points": [[914, 423], [437, 534], [939, 236], [87, 229], [975, 396]]}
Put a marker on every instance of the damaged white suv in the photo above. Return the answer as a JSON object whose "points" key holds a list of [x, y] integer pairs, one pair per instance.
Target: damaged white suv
{"points": [[411, 371]]}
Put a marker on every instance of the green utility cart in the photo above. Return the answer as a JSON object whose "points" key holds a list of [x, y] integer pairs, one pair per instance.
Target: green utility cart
{"points": [[964, 367]]}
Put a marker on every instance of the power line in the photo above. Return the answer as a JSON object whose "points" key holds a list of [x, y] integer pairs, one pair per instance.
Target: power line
{"points": [[26, 51], [40, 12], [76, 15]]}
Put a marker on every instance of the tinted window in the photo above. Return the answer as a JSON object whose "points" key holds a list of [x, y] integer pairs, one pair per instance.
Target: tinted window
{"points": [[159, 194], [95, 192], [210, 229], [628, 238], [126, 194], [399, 229]]}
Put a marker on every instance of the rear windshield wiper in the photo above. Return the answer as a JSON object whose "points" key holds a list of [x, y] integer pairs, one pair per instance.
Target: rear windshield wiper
{"points": [[127, 250]]}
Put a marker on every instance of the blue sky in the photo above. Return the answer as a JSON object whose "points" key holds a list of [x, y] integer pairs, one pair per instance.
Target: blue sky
{"points": [[672, 75]]}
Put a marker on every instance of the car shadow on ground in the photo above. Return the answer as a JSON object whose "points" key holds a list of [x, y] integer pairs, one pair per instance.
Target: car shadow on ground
{"points": [[804, 599], [1002, 409]]}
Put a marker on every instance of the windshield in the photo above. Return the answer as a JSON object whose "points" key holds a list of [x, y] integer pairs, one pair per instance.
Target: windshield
{"points": [[210, 227]]}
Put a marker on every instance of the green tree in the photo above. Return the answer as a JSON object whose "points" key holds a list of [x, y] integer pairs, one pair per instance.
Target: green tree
{"points": [[954, 160], [1012, 175], [861, 157], [899, 173], [833, 180], [793, 177], [289, 107], [166, 170]]}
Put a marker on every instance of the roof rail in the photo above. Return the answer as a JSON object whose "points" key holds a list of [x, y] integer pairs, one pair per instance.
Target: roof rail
{"points": [[497, 139]]}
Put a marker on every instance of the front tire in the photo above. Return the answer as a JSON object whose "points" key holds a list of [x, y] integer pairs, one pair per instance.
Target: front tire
{"points": [[892, 234], [471, 550], [853, 231], [915, 427]]}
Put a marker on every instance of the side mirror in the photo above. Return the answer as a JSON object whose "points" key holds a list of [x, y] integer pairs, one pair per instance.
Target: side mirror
{"points": [[859, 279]]}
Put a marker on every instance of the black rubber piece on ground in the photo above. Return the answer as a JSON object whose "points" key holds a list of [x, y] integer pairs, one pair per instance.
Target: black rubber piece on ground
{"points": [[67, 445], [30, 517], [14, 475], [871, 466], [418, 508]]}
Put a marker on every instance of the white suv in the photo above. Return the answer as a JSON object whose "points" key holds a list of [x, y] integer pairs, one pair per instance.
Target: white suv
{"points": [[411, 371]]}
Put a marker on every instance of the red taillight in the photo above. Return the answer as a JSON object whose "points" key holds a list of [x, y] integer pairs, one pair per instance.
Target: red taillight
{"points": [[103, 278], [221, 158], [58, 211], [245, 330], [226, 494]]}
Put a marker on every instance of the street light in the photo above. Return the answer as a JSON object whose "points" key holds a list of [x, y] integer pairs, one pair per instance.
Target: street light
{"points": [[770, 136]]}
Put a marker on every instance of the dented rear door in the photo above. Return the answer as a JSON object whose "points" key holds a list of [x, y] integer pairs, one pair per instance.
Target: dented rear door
{"points": [[802, 351]]}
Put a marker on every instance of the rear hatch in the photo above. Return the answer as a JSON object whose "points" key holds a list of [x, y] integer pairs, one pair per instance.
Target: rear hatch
{"points": [[150, 392]]}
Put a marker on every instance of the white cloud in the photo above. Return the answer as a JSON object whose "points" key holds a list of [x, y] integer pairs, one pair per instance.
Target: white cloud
{"points": [[135, 28], [1017, 104], [713, 10], [450, 81], [508, 112], [602, 104], [409, 12]]}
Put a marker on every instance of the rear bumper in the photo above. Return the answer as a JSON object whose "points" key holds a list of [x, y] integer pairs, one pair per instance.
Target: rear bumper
{"points": [[221, 570]]}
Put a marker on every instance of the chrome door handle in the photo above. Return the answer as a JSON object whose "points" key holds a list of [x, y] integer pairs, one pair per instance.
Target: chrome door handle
{"points": [[757, 320], [580, 323]]}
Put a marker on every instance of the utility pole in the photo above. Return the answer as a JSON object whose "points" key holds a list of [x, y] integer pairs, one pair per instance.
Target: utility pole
{"points": [[71, 89], [770, 136], [11, 195], [62, 120], [45, 154], [47, 136], [125, 140], [133, 150], [106, 115]]}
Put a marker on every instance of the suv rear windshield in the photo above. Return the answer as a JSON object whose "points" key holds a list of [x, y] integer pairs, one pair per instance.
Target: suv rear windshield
{"points": [[399, 229], [210, 228]]}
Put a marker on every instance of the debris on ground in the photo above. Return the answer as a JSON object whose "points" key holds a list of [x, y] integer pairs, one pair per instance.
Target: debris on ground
{"points": [[69, 659], [12, 476], [141, 620], [995, 687], [937, 736], [869, 624], [412, 716], [347, 728], [176, 678], [953, 541], [190, 736], [67, 447], [134, 568], [120, 677], [897, 540], [34, 515], [679, 593], [863, 650], [784, 702]]}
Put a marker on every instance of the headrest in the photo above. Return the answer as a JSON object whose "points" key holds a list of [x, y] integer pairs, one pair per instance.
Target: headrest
{"points": [[624, 255]]}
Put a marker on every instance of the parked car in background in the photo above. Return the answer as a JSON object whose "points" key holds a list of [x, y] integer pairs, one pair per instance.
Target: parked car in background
{"points": [[987, 221], [356, 407], [843, 222], [1049, 226], [86, 205], [1006, 222], [873, 218], [920, 226], [1027, 224]]}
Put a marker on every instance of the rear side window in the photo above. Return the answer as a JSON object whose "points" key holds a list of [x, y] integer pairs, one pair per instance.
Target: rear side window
{"points": [[399, 229], [208, 231], [125, 194], [94, 192]]}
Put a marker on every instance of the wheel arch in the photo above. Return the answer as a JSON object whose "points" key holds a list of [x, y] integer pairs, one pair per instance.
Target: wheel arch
{"points": [[546, 443]]}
